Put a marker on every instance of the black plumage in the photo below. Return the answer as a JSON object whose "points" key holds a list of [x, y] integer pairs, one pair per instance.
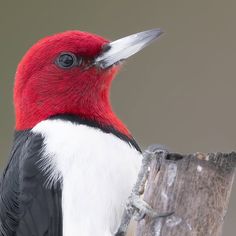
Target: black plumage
{"points": [[27, 206]]}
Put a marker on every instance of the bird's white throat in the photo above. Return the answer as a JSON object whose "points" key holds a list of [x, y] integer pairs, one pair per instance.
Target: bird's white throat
{"points": [[97, 170]]}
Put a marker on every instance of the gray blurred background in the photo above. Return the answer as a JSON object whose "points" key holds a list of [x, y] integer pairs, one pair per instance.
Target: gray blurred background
{"points": [[180, 91]]}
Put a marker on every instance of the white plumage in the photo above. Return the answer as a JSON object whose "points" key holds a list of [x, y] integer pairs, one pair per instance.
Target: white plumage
{"points": [[97, 170]]}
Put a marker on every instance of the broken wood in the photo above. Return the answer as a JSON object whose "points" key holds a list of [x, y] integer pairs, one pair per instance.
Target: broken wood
{"points": [[195, 187]]}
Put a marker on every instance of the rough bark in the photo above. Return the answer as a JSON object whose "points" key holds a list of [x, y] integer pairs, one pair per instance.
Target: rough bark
{"points": [[195, 187]]}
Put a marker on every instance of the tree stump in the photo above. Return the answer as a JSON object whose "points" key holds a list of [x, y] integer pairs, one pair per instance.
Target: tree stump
{"points": [[195, 187]]}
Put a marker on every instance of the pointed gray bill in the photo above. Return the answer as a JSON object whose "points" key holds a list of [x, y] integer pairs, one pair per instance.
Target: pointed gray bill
{"points": [[123, 48]]}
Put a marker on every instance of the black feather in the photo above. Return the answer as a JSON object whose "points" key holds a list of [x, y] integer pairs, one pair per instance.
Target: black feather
{"points": [[27, 207]]}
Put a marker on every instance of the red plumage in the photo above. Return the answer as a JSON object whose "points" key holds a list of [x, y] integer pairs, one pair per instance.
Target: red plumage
{"points": [[42, 89]]}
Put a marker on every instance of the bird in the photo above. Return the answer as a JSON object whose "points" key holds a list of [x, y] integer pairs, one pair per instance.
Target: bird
{"points": [[73, 162]]}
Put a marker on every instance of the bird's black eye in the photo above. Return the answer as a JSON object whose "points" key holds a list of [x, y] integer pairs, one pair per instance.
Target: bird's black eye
{"points": [[66, 60]]}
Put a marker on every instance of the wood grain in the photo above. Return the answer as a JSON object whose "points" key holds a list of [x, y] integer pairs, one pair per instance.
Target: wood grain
{"points": [[195, 187]]}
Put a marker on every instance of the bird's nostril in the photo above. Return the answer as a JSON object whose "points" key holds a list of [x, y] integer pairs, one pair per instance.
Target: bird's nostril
{"points": [[106, 47]]}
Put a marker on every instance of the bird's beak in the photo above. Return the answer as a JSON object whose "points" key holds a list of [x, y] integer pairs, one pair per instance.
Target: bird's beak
{"points": [[123, 48]]}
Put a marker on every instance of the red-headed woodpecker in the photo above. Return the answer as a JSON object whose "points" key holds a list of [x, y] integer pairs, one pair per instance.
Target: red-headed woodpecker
{"points": [[73, 162]]}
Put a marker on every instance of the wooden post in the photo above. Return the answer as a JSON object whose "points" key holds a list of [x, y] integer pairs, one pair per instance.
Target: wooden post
{"points": [[195, 187]]}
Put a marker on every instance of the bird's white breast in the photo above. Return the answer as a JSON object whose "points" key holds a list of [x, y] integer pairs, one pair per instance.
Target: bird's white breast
{"points": [[97, 170]]}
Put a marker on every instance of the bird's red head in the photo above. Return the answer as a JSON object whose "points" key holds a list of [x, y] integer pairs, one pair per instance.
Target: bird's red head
{"points": [[56, 77], [71, 73]]}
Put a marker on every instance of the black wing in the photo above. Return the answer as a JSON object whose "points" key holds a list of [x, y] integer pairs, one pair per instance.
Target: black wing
{"points": [[27, 206]]}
